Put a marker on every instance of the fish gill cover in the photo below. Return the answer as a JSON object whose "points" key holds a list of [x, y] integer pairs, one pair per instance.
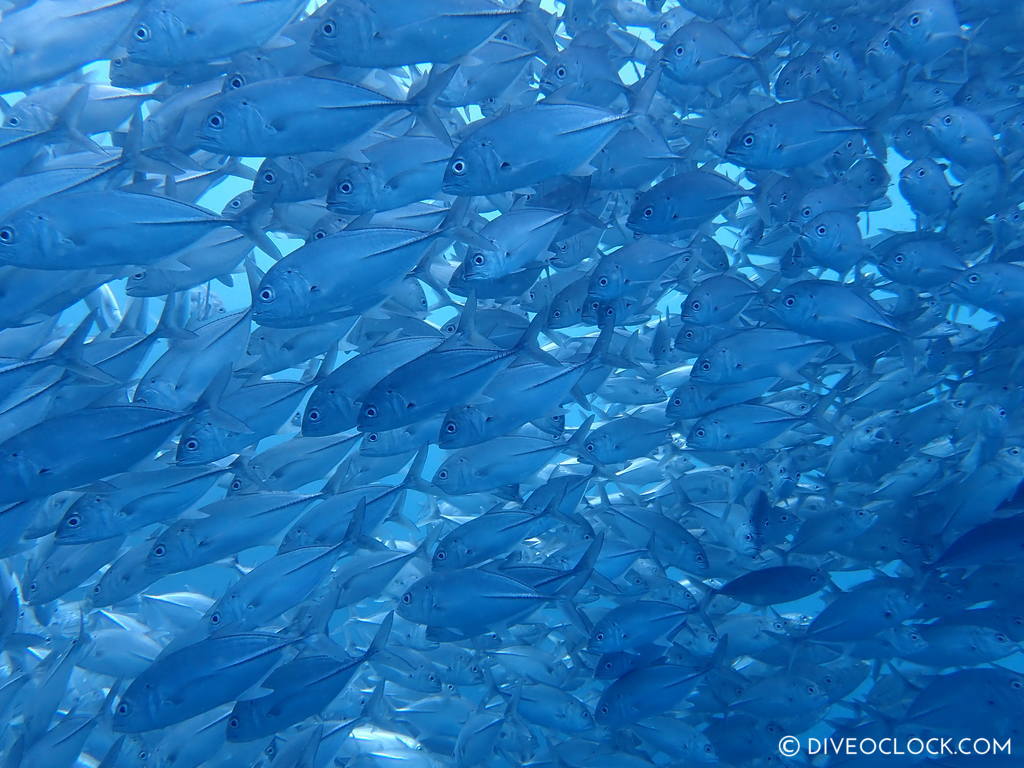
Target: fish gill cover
{"points": [[511, 383]]}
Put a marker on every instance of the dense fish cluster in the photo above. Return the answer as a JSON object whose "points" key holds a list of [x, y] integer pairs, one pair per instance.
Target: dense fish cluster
{"points": [[509, 383]]}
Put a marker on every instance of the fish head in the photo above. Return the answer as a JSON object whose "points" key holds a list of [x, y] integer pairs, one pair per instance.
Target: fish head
{"points": [[86, 519], [563, 70], [607, 637], [387, 442], [28, 236], [698, 307], [485, 264], [136, 710], [382, 409], [462, 426], [706, 434], [753, 144], [881, 56], [608, 281], [694, 338], [243, 722], [795, 305], [948, 127], [709, 366], [453, 551], [170, 552], [454, 474], [282, 295], [821, 235], [342, 39], [31, 116], [199, 443], [612, 666], [976, 286], [652, 213], [474, 168], [273, 177], [613, 709], [232, 122], [417, 603], [924, 29], [356, 189], [157, 36]]}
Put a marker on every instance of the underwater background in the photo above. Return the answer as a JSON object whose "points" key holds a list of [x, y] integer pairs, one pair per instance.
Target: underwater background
{"points": [[511, 383]]}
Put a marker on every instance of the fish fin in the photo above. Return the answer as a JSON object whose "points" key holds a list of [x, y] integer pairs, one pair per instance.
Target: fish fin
{"points": [[528, 344]]}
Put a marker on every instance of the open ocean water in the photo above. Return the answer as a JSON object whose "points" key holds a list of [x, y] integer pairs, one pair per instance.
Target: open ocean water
{"points": [[511, 383]]}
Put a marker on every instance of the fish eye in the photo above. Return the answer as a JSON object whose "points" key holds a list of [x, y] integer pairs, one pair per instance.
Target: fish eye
{"points": [[440, 554], [648, 212], [1014, 451], [806, 213], [138, 275], [589, 447], [328, 28], [159, 550], [191, 444], [450, 427], [560, 72], [705, 365], [822, 230], [676, 401], [372, 437], [142, 33], [370, 412], [947, 120], [122, 708], [319, 235], [267, 294], [695, 306], [7, 235], [236, 81], [599, 636], [345, 187], [915, 19], [971, 278], [314, 415], [603, 281], [236, 484], [921, 173], [269, 177], [1017, 685], [748, 140], [215, 619], [459, 167], [73, 521], [899, 258], [479, 259], [789, 301], [407, 598], [450, 328], [215, 121], [699, 432], [442, 475], [233, 722], [14, 121], [604, 709], [556, 313], [1001, 638]]}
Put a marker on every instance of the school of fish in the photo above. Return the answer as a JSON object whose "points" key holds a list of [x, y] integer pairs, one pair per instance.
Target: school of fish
{"points": [[504, 383]]}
